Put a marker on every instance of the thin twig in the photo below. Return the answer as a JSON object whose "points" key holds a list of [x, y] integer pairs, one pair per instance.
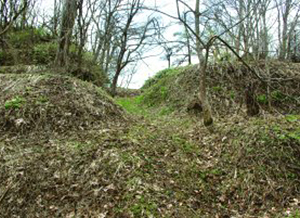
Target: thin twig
{"points": [[5, 192]]}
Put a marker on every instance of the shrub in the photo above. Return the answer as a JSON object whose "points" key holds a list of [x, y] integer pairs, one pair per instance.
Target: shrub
{"points": [[26, 38], [44, 53], [277, 95], [160, 75], [89, 70], [7, 57]]}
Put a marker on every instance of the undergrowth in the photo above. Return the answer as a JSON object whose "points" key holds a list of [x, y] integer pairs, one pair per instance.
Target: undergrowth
{"points": [[160, 164]]}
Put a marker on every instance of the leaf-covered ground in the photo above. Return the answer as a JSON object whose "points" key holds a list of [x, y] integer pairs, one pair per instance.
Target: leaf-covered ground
{"points": [[161, 164], [48, 103]]}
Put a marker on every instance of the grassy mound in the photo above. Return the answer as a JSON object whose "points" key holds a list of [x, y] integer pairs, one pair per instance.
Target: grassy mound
{"points": [[47, 103], [178, 87]]}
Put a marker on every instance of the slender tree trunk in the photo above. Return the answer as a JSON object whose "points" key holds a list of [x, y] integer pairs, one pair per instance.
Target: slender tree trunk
{"points": [[67, 23], [24, 16], [188, 43], [207, 116], [55, 18], [284, 40], [283, 46], [189, 51], [114, 83], [265, 41], [240, 27]]}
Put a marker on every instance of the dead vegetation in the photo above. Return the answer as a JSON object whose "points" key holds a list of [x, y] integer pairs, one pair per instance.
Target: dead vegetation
{"points": [[67, 150], [51, 103], [157, 167]]}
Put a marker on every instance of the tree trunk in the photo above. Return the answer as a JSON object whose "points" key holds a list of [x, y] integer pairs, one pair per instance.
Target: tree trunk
{"points": [[284, 35], [67, 23], [207, 116], [188, 43], [252, 105], [241, 9], [114, 83]]}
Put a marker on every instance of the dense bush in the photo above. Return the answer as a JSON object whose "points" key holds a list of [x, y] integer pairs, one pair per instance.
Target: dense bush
{"points": [[162, 74], [27, 38], [89, 70], [19, 46], [44, 53], [34, 46]]}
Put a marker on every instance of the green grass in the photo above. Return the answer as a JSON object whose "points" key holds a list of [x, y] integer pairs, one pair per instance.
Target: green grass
{"points": [[162, 75], [132, 105], [16, 102], [296, 214]]}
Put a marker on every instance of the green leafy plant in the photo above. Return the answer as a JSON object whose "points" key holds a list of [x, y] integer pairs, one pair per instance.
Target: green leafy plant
{"points": [[145, 207], [294, 134], [42, 99], [217, 88], [277, 95], [16, 102], [262, 99], [232, 94], [166, 111], [44, 53], [164, 92], [295, 214], [292, 118]]}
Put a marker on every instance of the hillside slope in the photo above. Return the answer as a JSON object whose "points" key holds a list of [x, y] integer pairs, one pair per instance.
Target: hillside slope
{"points": [[53, 103], [178, 87], [68, 150]]}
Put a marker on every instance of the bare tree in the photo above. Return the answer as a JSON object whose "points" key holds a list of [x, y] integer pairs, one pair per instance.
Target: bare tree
{"points": [[10, 12], [84, 20], [131, 39], [67, 23], [286, 26], [106, 33], [200, 46], [55, 18]]}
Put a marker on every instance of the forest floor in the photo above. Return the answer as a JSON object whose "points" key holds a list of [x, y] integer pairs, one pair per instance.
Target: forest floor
{"points": [[157, 164], [68, 150]]}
